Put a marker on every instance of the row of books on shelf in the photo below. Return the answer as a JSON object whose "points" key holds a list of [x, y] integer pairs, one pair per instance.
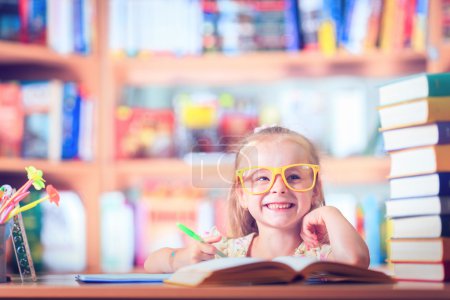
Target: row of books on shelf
{"points": [[143, 218], [167, 121], [65, 26], [415, 120], [46, 120], [233, 26]]}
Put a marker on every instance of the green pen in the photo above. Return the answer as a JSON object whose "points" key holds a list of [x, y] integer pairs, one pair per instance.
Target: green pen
{"points": [[196, 237]]}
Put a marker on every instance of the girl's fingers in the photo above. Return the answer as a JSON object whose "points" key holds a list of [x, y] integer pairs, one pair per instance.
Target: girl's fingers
{"points": [[205, 256], [212, 239], [207, 249]]}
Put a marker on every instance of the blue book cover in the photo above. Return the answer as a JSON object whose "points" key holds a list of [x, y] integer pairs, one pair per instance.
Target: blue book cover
{"points": [[37, 22], [9, 20], [345, 26], [71, 121], [122, 278], [292, 28]]}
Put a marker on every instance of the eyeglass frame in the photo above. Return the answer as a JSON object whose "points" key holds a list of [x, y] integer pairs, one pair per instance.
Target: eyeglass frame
{"points": [[277, 171]]}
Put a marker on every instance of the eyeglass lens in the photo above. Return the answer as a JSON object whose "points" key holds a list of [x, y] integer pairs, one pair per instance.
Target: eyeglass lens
{"points": [[259, 180]]}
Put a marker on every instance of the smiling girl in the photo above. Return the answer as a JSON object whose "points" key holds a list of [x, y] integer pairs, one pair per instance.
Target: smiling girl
{"points": [[276, 207]]}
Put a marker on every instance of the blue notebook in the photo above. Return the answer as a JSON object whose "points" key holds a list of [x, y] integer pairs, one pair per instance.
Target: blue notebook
{"points": [[121, 278]]}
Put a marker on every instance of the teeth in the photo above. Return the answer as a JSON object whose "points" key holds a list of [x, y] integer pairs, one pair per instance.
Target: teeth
{"points": [[279, 205]]}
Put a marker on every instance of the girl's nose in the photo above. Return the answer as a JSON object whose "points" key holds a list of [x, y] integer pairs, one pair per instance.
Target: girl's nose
{"points": [[278, 185]]}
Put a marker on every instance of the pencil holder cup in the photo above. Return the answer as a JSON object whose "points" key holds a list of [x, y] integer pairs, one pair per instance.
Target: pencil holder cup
{"points": [[4, 233]]}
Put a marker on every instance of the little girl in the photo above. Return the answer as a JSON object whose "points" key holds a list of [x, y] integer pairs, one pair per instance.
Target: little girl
{"points": [[276, 207]]}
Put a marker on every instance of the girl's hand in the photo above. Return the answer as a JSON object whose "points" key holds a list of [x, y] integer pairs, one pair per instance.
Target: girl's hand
{"points": [[195, 252], [314, 231]]}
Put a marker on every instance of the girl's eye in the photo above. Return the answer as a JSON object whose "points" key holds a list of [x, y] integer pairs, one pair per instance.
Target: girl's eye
{"points": [[262, 178], [292, 177]]}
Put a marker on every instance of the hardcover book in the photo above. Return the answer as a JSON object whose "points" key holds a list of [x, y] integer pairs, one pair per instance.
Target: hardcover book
{"points": [[420, 250], [436, 272], [421, 160], [286, 269], [416, 112], [416, 136], [420, 186], [417, 206], [420, 227], [415, 87]]}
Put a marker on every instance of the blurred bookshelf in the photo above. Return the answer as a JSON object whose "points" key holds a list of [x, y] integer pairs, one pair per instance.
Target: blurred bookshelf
{"points": [[105, 72]]}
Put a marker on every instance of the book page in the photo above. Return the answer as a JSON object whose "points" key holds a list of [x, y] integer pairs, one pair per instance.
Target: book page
{"points": [[222, 263], [296, 263]]}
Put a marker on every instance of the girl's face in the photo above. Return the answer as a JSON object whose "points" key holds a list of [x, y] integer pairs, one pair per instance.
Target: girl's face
{"points": [[279, 207]]}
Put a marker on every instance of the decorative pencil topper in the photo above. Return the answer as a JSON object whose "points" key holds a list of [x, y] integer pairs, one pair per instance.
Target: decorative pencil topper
{"points": [[9, 204], [10, 209]]}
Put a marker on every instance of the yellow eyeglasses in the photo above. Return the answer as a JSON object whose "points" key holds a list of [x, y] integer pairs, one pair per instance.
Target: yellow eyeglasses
{"points": [[259, 180]]}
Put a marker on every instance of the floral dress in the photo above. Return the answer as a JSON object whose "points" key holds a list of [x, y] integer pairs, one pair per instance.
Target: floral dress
{"points": [[238, 247]]}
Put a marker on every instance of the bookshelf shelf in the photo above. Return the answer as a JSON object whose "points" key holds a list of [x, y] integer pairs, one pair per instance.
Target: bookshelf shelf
{"points": [[351, 171], [18, 53], [17, 165], [265, 66]]}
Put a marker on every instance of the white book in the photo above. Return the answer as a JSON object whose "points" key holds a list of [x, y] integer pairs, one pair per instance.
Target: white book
{"points": [[417, 206], [417, 112], [416, 136], [420, 186], [421, 160], [415, 87], [420, 227]]}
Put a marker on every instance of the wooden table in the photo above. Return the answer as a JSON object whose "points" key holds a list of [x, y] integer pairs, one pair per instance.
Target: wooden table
{"points": [[65, 287]]}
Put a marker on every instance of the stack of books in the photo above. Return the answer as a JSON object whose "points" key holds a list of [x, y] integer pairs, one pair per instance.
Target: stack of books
{"points": [[415, 120]]}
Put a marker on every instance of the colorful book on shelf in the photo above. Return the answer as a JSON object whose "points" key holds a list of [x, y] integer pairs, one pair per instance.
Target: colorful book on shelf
{"points": [[159, 207], [421, 160], [431, 250], [42, 102], [10, 21], [433, 272], [86, 129], [310, 19], [416, 206], [387, 25], [420, 26], [373, 25], [437, 184], [71, 102], [417, 86], [33, 16], [286, 269], [416, 136], [11, 130], [142, 132], [415, 112], [432, 226]]}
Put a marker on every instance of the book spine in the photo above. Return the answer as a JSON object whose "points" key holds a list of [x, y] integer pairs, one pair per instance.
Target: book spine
{"points": [[444, 183], [445, 205], [446, 266], [443, 132], [70, 121], [445, 226], [438, 84], [292, 32]]}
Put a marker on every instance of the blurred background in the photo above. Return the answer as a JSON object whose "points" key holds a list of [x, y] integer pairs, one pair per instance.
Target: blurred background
{"points": [[131, 108]]}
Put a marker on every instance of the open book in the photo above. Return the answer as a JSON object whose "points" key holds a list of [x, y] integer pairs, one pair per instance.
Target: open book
{"points": [[249, 270]]}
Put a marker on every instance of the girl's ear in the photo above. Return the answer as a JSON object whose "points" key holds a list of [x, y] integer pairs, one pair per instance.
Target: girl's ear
{"points": [[317, 194], [241, 197]]}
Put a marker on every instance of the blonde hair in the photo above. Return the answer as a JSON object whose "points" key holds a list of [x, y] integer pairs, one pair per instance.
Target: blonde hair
{"points": [[241, 221]]}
